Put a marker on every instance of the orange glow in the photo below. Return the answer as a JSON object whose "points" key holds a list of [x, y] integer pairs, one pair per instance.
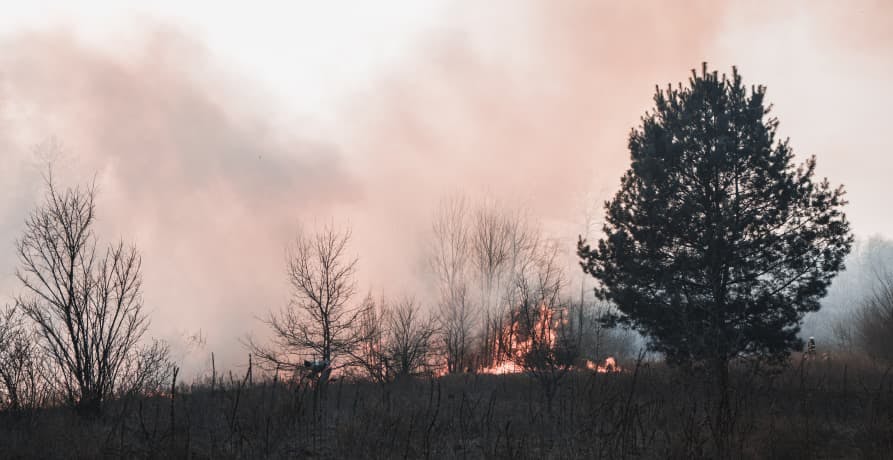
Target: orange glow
{"points": [[609, 367], [505, 367], [518, 343]]}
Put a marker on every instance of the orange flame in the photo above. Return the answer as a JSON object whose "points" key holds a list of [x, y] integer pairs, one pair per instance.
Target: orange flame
{"points": [[609, 367], [502, 368], [519, 343], [516, 343]]}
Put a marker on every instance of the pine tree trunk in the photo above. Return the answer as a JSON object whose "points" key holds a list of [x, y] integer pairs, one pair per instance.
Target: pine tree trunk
{"points": [[722, 424]]}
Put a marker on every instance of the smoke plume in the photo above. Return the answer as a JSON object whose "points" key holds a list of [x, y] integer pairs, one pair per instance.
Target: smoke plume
{"points": [[526, 102]]}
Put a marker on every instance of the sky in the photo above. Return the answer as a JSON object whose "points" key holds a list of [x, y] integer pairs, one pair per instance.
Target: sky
{"points": [[214, 132]]}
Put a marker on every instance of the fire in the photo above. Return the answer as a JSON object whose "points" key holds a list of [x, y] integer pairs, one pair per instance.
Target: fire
{"points": [[609, 367], [523, 336], [514, 343], [505, 367]]}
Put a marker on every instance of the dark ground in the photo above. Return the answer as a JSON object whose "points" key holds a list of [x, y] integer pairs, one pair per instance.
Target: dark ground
{"points": [[811, 409]]}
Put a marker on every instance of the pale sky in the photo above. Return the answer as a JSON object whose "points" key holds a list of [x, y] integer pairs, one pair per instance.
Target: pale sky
{"points": [[305, 51], [214, 131]]}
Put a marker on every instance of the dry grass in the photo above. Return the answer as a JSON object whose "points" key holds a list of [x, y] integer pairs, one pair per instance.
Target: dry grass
{"points": [[833, 408]]}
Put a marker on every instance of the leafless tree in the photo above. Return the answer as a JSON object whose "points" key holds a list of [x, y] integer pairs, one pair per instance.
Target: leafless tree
{"points": [[319, 323], [450, 252], [486, 245], [456, 321], [540, 339], [449, 259], [22, 377], [491, 245], [502, 244], [370, 355], [873, 332], [409, 344], [149, 370], [396, 341], [853, 317], [86, 305]]}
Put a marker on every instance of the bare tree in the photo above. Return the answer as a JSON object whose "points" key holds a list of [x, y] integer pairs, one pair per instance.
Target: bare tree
{"points": [[449, 260], [87, 306], [491, 245], [456, 322], [502, 244], [396, 341], [540, 339], [873, 332], [852, 314], [450, 252], [149, 370], [22, 377], [485, 245], [319, 326], [409, 344], [370, 355]]}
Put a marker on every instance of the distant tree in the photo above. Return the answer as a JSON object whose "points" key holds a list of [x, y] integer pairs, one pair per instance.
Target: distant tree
{"points": [[716, 245], [87, 306], [873, 329], [396, 341], [503, 241], [22, 377], [319, 325], [869, 266], [370, 355], [490, 238], [538, 336], [410, 339], [483, 246], [456, 326], [449, 260]]}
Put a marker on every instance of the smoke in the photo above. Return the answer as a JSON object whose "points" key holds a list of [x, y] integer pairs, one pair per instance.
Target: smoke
{"points": [[525, 102], [197, 177], [868, 267]]}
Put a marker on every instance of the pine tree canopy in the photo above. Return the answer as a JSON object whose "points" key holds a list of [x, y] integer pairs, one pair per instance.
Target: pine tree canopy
{"points": [[717, 244]]}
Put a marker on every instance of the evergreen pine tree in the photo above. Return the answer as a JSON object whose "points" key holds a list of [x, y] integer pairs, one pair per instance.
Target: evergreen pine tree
{"points": [[716, 244]]}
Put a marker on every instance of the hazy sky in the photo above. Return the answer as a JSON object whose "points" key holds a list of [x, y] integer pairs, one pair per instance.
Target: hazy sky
{"points": [[213, 132]]}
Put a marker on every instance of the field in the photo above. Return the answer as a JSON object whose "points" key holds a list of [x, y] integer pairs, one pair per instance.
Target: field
{"points": [[824, 408]]}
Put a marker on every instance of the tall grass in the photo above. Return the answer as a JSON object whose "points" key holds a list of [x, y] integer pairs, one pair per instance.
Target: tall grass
{"points": [[816, 408]]}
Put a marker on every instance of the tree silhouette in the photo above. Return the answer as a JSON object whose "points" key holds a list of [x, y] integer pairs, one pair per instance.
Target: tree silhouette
{"points": [[397, 340], [716, 245], [320, 325], [86, 305]]}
